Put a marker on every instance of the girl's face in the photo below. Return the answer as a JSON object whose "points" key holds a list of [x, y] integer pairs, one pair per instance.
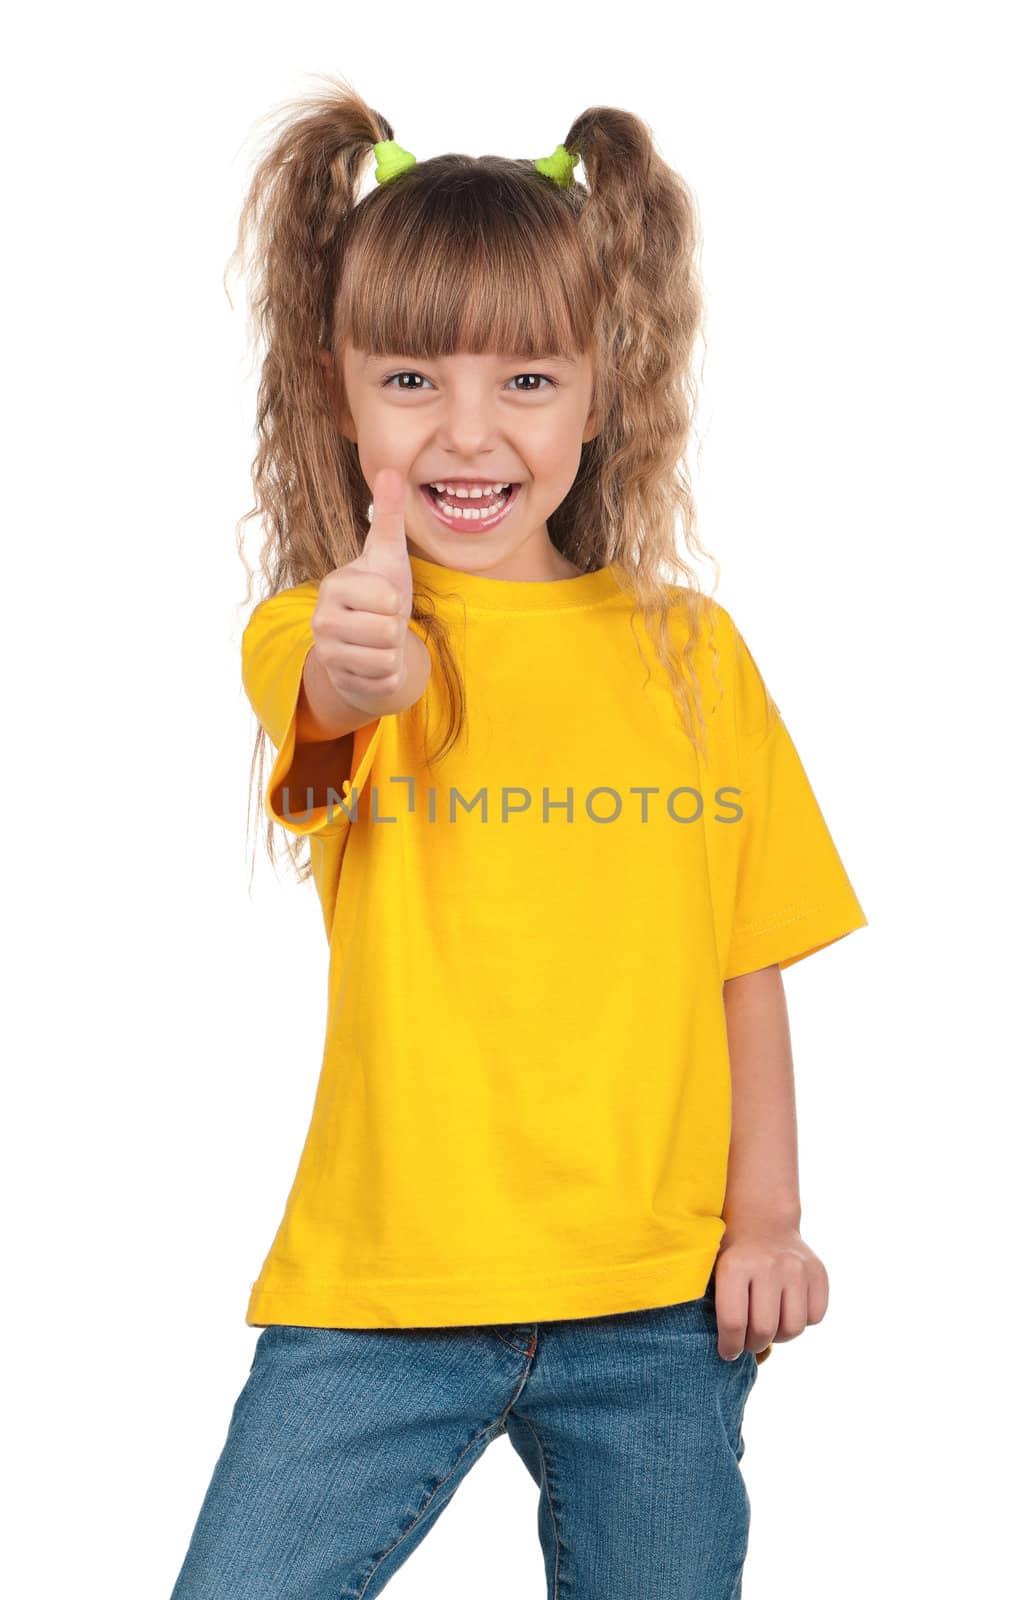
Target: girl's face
{"points": [[490, 418]]}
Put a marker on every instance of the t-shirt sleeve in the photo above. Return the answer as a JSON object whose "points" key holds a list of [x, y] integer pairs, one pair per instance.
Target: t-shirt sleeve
{"points": [[274, 647], [793, 895]]}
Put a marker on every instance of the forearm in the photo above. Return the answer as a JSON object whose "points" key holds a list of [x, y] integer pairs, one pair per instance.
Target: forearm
{"points": [[763, 1175]]}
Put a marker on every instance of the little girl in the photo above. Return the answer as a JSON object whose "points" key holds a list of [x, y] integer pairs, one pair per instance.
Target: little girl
{"points": [[564, 847]]}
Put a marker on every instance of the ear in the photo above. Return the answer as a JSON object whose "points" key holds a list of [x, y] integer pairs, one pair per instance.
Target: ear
{"points": [[329, 370], [340, 410], [595, 421]]}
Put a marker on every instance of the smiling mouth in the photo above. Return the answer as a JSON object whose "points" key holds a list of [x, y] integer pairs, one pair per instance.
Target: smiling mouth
{"points": [[467, 514]]}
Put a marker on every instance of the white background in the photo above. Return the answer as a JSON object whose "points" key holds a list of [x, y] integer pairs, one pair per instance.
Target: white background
{"points": [[163, 1020]]}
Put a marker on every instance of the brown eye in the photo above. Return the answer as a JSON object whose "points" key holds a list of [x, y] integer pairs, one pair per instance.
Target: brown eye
{"points": [[402, 387]]}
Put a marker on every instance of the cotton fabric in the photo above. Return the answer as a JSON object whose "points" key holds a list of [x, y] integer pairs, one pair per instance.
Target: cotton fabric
{"points": [[524, 1105]]}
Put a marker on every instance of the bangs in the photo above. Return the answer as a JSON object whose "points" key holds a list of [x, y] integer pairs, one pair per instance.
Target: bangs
{"points": [[465, 259]]}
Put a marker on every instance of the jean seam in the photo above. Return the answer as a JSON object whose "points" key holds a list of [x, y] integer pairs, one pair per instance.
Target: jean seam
{"points": [[489, 1428], [551, 1504], [521, 1350]]}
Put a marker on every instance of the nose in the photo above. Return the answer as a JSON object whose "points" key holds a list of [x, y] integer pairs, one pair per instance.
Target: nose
{"points": [[468, 427]]}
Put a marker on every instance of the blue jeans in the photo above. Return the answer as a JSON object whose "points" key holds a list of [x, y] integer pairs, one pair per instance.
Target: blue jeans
{"points": [[346, 1444]]}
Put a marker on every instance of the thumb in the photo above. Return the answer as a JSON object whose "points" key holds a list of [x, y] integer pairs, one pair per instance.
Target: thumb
{"points": [[385, 547]]}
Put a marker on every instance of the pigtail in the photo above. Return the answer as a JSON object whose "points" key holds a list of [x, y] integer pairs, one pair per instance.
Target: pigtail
{"points": [[292, 228], [290, 239], [639, 225]]}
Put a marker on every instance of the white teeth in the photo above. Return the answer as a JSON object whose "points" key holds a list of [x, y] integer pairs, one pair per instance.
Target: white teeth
{"points": [[476, 515], [474, 492]]}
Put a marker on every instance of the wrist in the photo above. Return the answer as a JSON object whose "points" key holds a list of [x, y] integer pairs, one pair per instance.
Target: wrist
{"points": [[772, 1214]]}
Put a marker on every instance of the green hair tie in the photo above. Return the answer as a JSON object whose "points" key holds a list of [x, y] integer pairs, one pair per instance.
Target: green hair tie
{"points": [[392, 159], [558, 166]]}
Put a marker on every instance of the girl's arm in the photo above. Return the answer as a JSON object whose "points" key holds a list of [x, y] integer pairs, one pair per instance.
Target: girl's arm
{"points": [[326, 723], [763, 1163], [769, 1284]]}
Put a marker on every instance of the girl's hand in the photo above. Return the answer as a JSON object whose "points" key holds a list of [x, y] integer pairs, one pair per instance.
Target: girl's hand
{"points": [[360, 623], [768, 1286]]}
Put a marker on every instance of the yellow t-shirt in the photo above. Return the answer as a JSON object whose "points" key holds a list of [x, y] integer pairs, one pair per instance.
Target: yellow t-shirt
{"points": [[523, 1111]]}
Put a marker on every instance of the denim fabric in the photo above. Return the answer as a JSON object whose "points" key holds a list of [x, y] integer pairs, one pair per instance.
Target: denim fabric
{"points": [[345, 1445]]}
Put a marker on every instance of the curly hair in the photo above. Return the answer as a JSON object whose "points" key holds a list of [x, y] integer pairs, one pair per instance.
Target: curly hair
{"points": [[503, 259]]}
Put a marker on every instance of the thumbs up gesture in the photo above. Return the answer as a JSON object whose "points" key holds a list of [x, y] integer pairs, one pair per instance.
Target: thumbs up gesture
{"points": [[385, 550], [373, 660]]}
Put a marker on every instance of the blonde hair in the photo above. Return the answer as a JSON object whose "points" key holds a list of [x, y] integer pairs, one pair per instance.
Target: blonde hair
{"points": [[502, 259]]}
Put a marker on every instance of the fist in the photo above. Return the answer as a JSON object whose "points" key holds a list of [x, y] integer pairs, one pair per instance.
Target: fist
{"points": [[360, 623]]}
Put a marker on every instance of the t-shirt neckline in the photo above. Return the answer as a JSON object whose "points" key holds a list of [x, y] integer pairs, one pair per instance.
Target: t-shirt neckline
{"points": [[511, 594]]}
